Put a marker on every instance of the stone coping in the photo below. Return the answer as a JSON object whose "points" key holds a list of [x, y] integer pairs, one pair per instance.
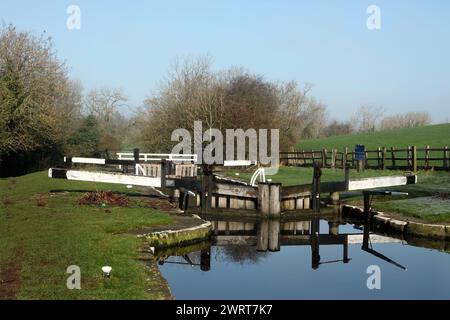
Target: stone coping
{"points": [[178, 237], [381, 220]]}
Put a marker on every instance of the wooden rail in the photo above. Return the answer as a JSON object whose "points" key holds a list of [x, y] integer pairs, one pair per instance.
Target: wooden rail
{"points": [[409, 158]]}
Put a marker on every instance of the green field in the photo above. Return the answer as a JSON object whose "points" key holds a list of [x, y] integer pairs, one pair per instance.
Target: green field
{"points": [[435, 136], [427, 201], [42, 233]]}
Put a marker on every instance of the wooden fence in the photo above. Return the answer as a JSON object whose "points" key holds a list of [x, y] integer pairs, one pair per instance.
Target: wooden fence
{"points": [[409, 158]]}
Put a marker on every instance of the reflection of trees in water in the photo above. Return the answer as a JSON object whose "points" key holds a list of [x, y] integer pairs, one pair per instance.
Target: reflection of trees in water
{"points": [[240, 253]]}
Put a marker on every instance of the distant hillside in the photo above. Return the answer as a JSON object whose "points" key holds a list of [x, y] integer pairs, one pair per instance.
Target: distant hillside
{"points": [[435, 136]]}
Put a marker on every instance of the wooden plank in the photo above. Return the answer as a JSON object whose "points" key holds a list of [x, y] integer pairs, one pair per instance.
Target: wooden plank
{"points": [[274, 200], [222, 202], [235, 190], [299, 203], [307, 203], [234, 203], [249, 204], [295, 191], [263, 199]]}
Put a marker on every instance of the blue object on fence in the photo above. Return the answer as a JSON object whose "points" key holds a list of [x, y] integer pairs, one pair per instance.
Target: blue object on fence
{"points": [[360, 152]]}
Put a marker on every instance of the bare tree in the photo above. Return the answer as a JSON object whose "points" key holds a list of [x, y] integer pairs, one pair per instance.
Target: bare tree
{"points": [[337, 128], [228, 99], [407, 120], [104, 105], [250, 102], [367, 118], [191, 92]]}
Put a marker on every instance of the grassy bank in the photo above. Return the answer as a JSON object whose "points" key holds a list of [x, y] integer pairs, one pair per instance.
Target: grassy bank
{"points": [[428, 201], [42, 233], [435, 136]]}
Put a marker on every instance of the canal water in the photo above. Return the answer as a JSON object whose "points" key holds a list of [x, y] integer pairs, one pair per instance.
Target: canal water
{"points": [[311, 259]]}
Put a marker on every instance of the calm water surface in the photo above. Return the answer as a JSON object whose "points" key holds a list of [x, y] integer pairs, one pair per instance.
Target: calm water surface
{"points": [[316, 260]]}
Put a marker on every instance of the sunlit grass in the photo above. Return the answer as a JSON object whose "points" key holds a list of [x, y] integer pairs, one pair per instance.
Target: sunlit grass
{"points": [[48, 236]]}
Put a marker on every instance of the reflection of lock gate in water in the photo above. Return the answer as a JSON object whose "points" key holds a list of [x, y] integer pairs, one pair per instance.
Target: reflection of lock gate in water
{"points": [[270, 235]]}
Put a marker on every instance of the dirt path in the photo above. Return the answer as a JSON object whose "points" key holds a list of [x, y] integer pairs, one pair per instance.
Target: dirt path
{"points": [[10, 280]]}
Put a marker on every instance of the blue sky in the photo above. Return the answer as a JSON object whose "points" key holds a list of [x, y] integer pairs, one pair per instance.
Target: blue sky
{"points": [[131, 44]]}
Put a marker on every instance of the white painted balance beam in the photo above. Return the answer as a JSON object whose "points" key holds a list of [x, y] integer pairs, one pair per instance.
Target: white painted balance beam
{"points": [[86, 160], [148, 157], [104, 177], [380, 182], [239, 163]]}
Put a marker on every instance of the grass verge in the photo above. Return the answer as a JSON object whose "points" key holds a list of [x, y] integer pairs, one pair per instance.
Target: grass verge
{"points": [[42, 233]]}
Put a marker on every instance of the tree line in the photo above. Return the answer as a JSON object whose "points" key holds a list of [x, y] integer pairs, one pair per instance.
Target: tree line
{"points": [[44, 114]]}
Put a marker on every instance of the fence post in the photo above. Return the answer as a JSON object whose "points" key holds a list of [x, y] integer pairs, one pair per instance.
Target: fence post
{"points": [[204, 180], [136, 154], [366, 161], [383, 159], [408, 157], [163, 173], [344, 158], [393, 157], [379, 157], [414, 158], [333, 158], [210, 189], [353, 159], [324, 158], [427, 157], [446, 157]]}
